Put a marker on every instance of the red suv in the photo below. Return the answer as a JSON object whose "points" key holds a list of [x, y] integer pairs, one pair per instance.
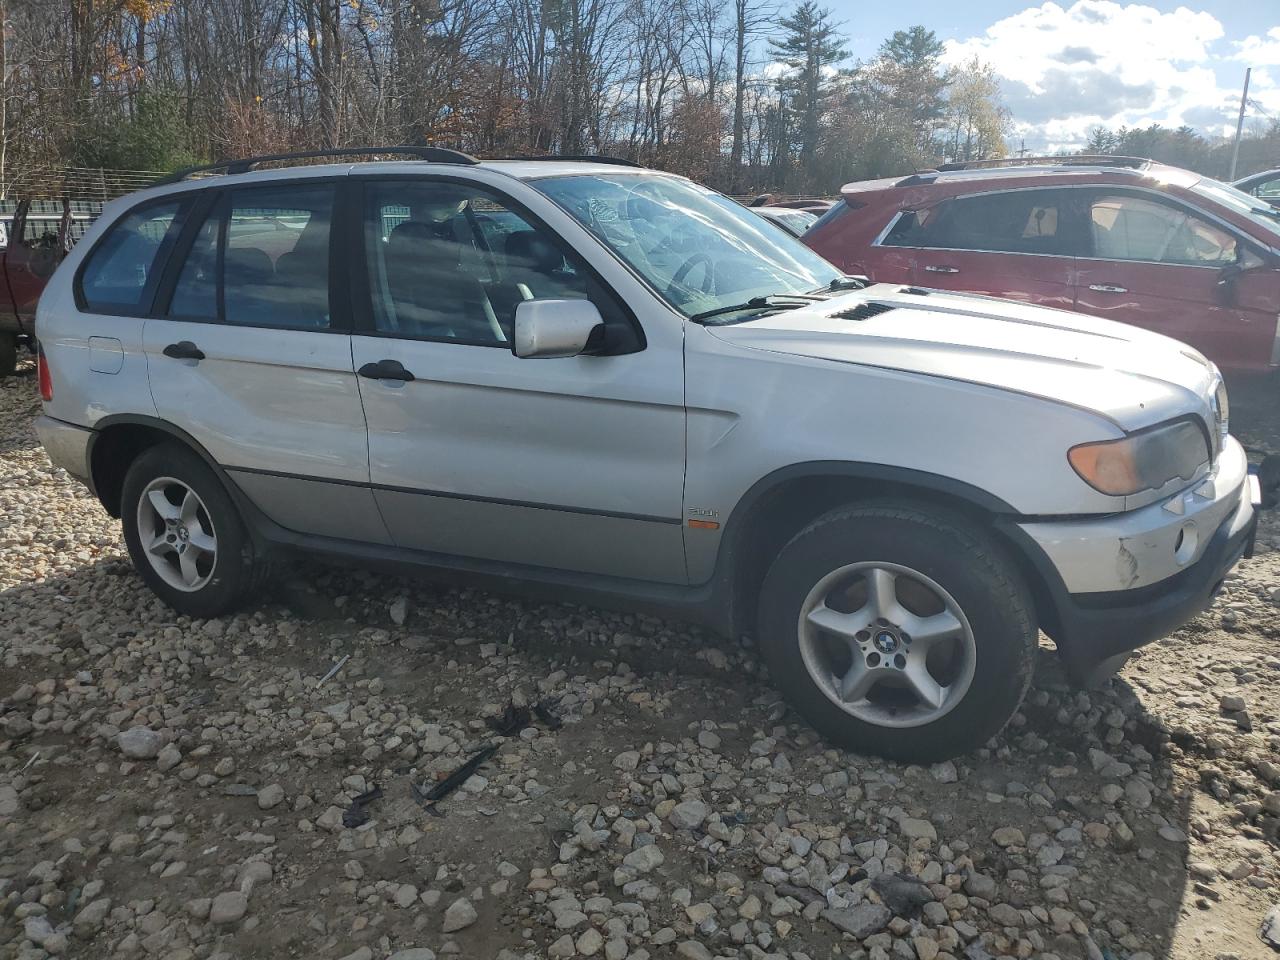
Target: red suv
{"points": [[1117, 237]]}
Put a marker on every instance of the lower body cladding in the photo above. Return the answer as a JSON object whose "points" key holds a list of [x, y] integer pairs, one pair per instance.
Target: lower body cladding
{"points": [[1118, 582]]}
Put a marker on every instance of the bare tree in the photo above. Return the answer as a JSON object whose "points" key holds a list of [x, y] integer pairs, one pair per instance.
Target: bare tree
{"points": [[675, 83]]}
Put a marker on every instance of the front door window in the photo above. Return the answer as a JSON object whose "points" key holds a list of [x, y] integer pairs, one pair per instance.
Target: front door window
{"points": [[450, 262], [1136, 228]]}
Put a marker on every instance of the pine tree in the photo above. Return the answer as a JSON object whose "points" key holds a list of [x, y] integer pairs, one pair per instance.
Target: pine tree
{"points": [[911, 71], [810, 46]]}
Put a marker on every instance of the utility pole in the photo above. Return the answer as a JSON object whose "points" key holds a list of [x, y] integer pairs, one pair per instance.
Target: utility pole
{"points": [[1244, 101]]}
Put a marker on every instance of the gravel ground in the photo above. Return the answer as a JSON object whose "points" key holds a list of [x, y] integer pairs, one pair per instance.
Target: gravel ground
{"points": [[175, 789]]}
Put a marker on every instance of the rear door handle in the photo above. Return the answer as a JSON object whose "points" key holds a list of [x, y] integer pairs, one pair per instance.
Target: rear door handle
{"points": [[184, 350], [385, 370], [1108, 288], [943, 269]]}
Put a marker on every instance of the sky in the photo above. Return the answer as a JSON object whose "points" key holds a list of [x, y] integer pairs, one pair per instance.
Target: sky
{"points": [[1066, 67]]}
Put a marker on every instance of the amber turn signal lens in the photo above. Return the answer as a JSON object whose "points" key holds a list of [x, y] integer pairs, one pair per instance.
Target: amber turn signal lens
{"points": [[1107, 467]]}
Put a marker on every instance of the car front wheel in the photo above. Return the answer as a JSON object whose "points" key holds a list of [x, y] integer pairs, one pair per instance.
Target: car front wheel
{"points": [[898, 630]]}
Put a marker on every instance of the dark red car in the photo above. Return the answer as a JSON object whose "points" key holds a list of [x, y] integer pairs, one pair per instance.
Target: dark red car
{"points": [[31, 247], [1117, 237]]}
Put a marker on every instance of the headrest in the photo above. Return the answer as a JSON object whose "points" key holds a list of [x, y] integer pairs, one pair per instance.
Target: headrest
{"points": [[436, 204], [250, 265], [413, 237], [535, 250]]}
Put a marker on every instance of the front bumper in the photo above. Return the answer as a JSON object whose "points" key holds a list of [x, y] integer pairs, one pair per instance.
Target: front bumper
{"points": [[1144, 547], [66, 444], [1116, 583]]}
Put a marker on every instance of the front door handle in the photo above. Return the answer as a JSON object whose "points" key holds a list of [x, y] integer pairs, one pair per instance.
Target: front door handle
{"points": [[385, 370], [942, 269], [184, 350], [1108, 288]]}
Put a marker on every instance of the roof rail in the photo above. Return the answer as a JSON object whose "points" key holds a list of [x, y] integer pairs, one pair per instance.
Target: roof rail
{"points": [[245, 164], [1081, 160], [581, 158]]}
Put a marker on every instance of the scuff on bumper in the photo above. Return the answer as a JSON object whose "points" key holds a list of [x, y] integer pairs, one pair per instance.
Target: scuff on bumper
{"points": [[1141, 548]]}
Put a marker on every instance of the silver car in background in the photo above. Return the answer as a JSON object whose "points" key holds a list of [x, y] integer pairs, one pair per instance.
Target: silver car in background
{"points": [[617, 384]]}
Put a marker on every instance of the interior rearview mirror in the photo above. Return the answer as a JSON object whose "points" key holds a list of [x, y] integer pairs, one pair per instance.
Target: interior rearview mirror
{"points": [[554, 328]]}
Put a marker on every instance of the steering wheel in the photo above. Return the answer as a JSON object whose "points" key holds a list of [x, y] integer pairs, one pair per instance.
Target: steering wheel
{"points": [[694, 260]]}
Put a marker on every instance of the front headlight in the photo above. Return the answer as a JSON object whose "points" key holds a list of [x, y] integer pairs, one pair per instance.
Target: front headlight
{"points": [[1221, 411], [1146, 460]]}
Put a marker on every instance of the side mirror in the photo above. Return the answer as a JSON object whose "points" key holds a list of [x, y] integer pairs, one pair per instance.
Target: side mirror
{"points": [[1227, 277], [554, 328]]}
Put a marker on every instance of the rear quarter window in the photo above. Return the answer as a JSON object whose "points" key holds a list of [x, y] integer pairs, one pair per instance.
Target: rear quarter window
{"points": [[120, 274], [834, 213]]}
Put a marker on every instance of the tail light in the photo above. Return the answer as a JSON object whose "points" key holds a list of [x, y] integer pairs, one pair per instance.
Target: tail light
{"points": [[42, 373]]}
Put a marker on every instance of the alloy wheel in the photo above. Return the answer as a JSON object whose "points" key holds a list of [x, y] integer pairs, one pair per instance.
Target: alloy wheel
{"points": [[176, 534], [887, 644]]}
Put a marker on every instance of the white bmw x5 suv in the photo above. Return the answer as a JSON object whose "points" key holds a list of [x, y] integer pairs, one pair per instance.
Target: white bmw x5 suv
{"points": [[620, 385]]}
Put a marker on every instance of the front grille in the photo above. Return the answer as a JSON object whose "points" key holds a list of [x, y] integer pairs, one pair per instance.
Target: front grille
{"points": [[863, 311]]}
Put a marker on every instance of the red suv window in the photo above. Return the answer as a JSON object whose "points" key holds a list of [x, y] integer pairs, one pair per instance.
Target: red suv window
{"points": [[1015, 221], [1136, 228]]}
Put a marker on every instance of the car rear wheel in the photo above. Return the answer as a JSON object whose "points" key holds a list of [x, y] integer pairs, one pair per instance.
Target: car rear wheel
{"points": [[184, 534], [898, 630]]}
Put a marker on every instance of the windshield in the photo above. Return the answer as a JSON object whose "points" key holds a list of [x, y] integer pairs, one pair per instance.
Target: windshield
{"points": [[1259, 211], [700, 251]]}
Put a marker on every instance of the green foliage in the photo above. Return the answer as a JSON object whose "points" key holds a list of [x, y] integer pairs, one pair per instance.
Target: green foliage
{"points": [[155, 137], [917, 48], [810, 45], [905, 111], [910, 73], [1184, 147]]}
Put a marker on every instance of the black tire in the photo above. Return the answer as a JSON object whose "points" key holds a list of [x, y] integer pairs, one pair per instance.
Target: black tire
{"points": [[951, 551], [8, 354], [236, 573]]}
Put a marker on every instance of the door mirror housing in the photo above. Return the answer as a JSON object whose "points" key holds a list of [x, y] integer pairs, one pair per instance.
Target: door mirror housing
{"points": [[555, 328], [1227, 277]]}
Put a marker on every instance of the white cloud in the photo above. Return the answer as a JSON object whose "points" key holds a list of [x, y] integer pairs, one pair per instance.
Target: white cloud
{"points": [[1066, 69], [1260, 51]]}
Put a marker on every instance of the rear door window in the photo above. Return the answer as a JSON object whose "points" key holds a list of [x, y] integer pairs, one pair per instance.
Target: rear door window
{"points": [[1018, 221], [276, 263], [260, 259], [120, 274], [195, 296]]}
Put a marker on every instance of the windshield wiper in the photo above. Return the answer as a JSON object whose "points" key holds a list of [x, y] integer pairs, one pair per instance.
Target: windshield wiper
{"points": [[787, 301]]}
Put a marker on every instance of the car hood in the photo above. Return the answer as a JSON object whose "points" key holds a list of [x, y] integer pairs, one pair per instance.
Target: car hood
{"points": [[1133, 377]]}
